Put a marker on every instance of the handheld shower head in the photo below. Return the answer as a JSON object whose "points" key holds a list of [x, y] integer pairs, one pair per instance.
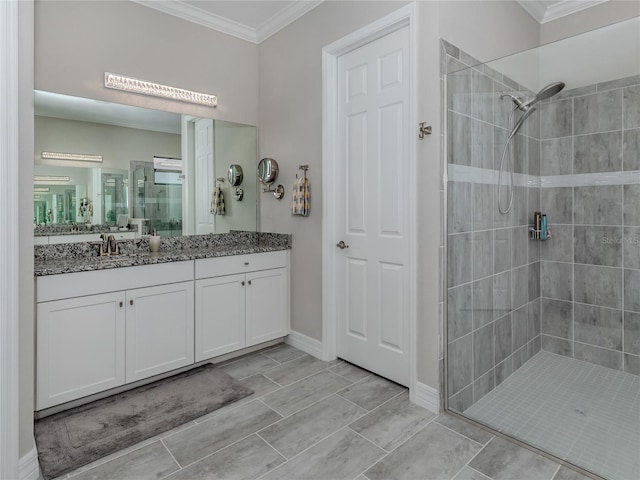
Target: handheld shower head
{"points": [[528, 106], [547, 92]]}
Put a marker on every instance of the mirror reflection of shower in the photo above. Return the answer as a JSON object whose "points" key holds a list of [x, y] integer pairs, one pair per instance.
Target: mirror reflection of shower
{"points": [[527, 106]]}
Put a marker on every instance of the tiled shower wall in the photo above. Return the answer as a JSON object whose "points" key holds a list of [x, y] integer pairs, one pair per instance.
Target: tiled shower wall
{"points": [[590, 269], [493, 269]]}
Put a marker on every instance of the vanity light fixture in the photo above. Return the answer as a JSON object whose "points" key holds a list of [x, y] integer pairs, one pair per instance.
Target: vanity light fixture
{"points": [[50, 178], [134, 85], [81, 157]]}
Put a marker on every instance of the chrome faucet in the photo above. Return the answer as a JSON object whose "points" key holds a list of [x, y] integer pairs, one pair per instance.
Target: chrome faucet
{"points": [[111, 244]]}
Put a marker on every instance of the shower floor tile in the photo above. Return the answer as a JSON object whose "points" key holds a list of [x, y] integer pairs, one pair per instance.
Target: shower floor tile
{"points": [[584, 413]]}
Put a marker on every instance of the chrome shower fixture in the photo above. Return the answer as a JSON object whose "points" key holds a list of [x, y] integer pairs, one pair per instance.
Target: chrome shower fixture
{"points": [[527, 107], [547, 92]]}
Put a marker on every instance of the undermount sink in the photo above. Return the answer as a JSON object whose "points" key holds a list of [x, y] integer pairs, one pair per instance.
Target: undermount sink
{"points": [[121, 256]]}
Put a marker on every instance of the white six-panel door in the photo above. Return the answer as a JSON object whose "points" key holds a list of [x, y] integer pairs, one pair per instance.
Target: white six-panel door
{"points": [[204, 181], [372, 273]]}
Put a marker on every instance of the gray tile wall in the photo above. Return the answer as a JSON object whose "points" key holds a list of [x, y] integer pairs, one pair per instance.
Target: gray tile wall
{"points": [[590, 267], [577, 294], [493, 269]]}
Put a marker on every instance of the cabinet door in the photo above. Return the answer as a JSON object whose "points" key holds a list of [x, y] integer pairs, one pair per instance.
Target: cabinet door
{"points": [[219, 315], [267, 305], [80, 347], [159, 329]]}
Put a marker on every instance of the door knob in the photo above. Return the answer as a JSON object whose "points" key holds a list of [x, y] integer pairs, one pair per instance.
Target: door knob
{"points": [[341, 245]]}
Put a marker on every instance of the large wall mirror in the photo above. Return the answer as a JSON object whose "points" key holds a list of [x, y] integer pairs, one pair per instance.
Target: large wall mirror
{"points": [[104, 166]]}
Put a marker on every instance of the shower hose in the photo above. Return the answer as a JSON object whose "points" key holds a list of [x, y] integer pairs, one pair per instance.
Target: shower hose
{"points": [[502, 165]]}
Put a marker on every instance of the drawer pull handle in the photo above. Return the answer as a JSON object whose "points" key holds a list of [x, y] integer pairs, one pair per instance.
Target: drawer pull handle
{"points": [[246, 263], [131, 302]]}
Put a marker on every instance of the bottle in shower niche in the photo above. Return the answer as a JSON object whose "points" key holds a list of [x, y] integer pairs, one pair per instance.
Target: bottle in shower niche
{"points": [[537, 224], [543, 227]]}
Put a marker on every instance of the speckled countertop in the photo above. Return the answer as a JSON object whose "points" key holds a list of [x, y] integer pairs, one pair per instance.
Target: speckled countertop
{"points": [[84, 256]]}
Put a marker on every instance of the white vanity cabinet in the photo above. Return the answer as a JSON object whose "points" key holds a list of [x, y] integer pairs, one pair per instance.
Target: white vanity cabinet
{"points": [[241, 301], [88, 341], [102, 329]]}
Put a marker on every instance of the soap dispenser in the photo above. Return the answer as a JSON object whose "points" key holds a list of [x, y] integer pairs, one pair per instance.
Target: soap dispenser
{"points": [[154, 242]]}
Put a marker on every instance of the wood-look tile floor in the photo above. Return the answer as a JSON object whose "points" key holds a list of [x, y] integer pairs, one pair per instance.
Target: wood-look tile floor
{"points": [[310, 419]]}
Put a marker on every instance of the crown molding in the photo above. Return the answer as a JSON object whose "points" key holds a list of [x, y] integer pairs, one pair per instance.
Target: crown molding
{"points": [[544, 13], [188, 12], [284, 18], [201, 17]]}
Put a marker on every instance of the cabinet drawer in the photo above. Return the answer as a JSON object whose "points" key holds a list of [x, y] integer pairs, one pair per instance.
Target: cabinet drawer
{"points": [[68, 285], [215, 267]]}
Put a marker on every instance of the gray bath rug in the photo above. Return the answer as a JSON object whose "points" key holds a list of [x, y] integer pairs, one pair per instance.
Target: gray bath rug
{"points": [[76, 437]]}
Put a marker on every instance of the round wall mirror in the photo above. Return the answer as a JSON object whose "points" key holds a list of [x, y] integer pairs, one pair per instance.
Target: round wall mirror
{"points": [[267, 170], [235, 175]]}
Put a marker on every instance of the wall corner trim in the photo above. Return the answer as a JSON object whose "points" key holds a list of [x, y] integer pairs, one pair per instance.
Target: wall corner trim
{"points": [[426, 397], [28, 467], [306, 344]]}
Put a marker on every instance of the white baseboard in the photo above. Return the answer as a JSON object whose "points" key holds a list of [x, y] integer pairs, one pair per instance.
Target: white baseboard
{"points": [[306, 344], [28, 466], [426, 397]]}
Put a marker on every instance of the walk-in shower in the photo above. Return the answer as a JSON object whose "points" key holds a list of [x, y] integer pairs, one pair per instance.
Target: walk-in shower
{"points": [[542, 335]]}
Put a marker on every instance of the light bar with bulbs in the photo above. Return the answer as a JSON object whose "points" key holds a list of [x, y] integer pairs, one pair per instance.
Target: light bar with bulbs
{"points": [[135, 85], [80, 157], [50, 178]]}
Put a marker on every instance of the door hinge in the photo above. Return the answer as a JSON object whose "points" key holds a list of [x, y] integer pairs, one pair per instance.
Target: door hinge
{"points": [[424, 130]]}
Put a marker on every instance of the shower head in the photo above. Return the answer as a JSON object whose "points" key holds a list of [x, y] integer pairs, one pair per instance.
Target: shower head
{"points": [[547, 92], [528, 106]]}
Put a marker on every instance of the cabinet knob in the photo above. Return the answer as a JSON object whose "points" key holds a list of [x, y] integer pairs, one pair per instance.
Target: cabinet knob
{"points": [[121, 304], [242, 283], [249, 282], [246, 263], [131, 302]]}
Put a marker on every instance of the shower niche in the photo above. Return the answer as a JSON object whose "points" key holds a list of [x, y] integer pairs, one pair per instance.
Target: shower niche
{"points": [[543, 337]]}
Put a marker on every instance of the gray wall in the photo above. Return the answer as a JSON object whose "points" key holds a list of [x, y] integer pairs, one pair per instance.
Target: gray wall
{"points": [[493, 269], [591, 265], [76, 42]]}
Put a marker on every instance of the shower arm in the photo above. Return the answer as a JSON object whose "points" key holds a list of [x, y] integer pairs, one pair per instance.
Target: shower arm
{"points": [[519, 102]]}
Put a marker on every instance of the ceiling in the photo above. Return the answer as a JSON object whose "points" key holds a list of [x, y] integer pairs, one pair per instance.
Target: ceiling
{"points": [[257, 20]]}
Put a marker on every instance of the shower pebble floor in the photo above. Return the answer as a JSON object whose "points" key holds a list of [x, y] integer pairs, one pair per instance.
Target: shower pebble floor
{"points": [[584, 413]]}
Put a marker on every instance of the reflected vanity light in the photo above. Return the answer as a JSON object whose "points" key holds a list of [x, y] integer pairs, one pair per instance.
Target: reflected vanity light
{"points": [[81, 157], [160, 163], [134, 85], [50, 178], [40, 189]]}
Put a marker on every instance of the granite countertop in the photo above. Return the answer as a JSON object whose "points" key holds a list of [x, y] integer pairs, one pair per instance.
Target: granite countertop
{"points": [[84, 257]]}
